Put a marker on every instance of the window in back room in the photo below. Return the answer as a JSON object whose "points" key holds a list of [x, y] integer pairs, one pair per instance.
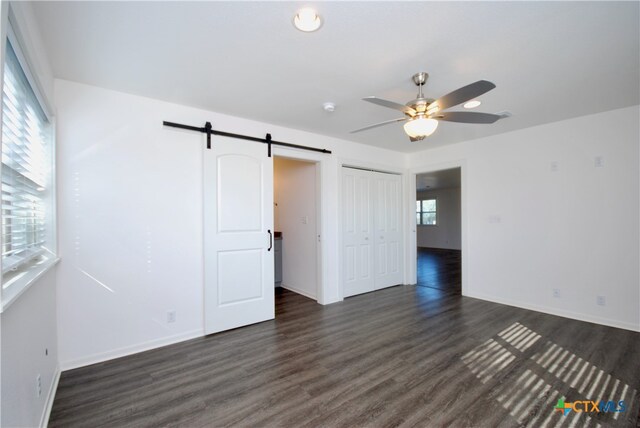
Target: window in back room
{"points": [[426, 212]]}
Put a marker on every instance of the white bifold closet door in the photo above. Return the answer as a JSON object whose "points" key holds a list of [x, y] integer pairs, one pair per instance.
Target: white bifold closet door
{"points": [[238, 253], [357, 231], [371, 230]]}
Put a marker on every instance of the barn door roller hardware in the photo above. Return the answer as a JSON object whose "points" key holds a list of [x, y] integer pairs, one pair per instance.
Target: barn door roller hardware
{"points": [[208, 129]]}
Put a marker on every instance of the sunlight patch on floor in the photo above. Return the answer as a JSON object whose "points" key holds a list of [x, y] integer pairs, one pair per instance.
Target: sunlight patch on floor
{"points": [[531, 398], [487, 359], [584, 377], [519, 336]]}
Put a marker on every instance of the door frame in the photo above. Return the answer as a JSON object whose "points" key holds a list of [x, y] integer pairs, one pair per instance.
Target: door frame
{"points": [[320, 162], [345, 162], [412, 238]]}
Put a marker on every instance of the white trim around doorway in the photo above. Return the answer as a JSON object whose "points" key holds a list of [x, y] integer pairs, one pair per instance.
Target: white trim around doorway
{"points": [[320, 161], [411, 237]]}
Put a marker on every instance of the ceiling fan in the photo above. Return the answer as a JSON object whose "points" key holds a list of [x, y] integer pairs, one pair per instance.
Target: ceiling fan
{"points": [[422, 114]]}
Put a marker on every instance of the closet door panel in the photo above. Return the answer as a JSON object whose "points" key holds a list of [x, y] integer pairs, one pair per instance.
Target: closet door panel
{"points": [[357, 232], [372, 249], [387, 220]]}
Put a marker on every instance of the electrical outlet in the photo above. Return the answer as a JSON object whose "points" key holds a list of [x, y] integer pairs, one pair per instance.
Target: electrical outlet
{"points": [[305, 219], [601, 301], [38, 385], [554, 166], [556, 292], [171, 316]]}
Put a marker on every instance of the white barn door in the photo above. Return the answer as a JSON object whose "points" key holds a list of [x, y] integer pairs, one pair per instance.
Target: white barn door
{"points": [[238, 253]]}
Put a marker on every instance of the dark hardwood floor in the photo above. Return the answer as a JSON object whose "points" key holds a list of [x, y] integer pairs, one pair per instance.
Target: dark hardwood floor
{"points": [[440, 269], [395, 357]]}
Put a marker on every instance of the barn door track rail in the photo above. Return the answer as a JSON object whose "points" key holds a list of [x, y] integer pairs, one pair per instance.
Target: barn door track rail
{"points": [[208, 129]]}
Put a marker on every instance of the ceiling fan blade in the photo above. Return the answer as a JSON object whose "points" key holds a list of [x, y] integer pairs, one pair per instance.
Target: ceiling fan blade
{"points": [[467, 117], [463, 94], [386, 122], [390, 104]]}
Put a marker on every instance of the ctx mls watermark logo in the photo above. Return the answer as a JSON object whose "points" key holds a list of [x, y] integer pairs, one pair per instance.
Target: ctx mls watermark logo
{"points": [[590, 406]]}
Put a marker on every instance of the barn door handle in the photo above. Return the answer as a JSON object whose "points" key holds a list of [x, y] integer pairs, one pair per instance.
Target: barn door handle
{"points": [[270, 240]]}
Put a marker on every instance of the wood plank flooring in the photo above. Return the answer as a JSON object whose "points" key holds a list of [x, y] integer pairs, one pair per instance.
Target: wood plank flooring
{"points": [[440, 269], [395, 357]]}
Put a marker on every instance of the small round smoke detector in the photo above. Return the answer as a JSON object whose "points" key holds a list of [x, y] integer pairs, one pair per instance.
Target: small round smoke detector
{"points": [[329, 107]]}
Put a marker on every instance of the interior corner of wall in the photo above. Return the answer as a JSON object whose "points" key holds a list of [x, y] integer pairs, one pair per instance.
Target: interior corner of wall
{"points": [[51, 395]]}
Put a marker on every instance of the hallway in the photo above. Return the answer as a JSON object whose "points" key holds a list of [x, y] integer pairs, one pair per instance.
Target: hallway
{"points": [[440, 270]]}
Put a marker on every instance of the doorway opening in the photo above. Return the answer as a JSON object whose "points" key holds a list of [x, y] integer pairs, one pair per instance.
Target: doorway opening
{"points": [[297, 224], [439, 231]]}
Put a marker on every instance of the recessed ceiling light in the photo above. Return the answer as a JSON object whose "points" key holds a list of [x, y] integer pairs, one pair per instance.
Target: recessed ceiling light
{"points": [[329, 107], [307, 20], [472, 104]]}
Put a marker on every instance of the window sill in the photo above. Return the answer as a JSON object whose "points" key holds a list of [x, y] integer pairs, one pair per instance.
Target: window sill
{"points": [[13, 292]]}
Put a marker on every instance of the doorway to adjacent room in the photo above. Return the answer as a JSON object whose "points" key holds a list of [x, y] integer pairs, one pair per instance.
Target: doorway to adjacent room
{"points": [[438, 230], [297, 225]]}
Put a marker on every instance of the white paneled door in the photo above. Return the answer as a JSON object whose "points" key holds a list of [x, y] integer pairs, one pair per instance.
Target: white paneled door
{"points": [[371, 230], [238, 220], [357, 232], [387, 213]]}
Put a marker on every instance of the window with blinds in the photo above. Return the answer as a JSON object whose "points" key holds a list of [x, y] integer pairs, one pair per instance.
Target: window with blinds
{"points": [[426, 213], [25, 171]]}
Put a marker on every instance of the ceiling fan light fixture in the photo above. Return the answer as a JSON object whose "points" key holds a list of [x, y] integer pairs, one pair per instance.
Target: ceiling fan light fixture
{"points": [[472, 104], [307, 20], [420, 127], [432, 108], [422, 115]]}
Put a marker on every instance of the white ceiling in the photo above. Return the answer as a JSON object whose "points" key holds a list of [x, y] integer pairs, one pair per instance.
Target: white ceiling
{"points": [[444, 179], [550, 60]]}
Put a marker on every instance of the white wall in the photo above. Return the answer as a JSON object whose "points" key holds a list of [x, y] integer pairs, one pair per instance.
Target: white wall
{"points": [[295, 196], [28, 328], [130, 215], [29, 349], [531, 229], [447, 232]]}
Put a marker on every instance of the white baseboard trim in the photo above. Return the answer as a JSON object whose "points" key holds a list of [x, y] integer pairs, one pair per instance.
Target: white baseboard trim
{"points": [[298, 291], [558, 312], [51, 395], [129, 350], [331, 301]]}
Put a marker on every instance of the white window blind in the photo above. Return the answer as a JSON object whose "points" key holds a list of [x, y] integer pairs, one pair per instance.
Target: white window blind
{"points": [[25, 168]]}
